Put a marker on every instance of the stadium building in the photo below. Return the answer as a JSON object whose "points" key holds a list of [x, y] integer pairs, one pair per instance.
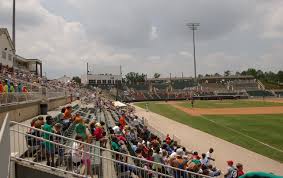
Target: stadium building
{"points": [[12, 60], [101, 79]]}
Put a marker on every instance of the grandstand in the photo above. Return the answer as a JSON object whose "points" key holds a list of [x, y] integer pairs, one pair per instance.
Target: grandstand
{"points": [[211, 87], [103, 161]]}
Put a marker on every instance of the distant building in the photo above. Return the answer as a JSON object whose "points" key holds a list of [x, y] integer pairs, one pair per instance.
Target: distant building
{"points": [[64, 79], [7, 48], [9, 58], [101, 79], [32, 65]]}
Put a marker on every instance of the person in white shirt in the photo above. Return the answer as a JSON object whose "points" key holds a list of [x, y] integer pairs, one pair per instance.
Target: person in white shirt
{"points": [[136, 121], [204, 160], [209, 155], [76, 153]]}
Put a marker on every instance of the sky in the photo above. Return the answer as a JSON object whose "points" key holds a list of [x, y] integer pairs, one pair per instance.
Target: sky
{"points": [[147, 36]]}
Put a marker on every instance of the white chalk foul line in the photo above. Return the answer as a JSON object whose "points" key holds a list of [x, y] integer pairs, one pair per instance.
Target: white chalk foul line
{"points": [[236, 131]]}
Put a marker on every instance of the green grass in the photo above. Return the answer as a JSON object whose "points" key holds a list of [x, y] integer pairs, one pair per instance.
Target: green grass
{"points": [[229, 104], [236, 129]]}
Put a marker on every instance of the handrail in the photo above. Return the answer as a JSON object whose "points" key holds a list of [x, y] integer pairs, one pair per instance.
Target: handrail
{"points": [[5, 148], [111, 151], [46, 140]]}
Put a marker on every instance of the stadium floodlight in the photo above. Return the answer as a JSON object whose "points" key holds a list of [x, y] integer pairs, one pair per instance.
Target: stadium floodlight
{"points": [[193, 27], [14, 24]]}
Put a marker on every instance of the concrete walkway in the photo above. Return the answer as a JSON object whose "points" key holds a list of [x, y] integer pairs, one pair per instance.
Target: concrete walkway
{"points": [[200, 141]]}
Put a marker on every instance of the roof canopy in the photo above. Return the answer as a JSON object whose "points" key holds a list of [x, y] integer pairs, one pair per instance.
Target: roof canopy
{"points": [[119, 104]]}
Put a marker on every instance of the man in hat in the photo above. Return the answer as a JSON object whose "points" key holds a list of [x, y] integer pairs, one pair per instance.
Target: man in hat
{"points": [[231, 170]]}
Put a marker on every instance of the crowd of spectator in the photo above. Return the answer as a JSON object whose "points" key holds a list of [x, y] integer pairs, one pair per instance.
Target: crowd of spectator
{"points": [[152, 152], [130, 129]]}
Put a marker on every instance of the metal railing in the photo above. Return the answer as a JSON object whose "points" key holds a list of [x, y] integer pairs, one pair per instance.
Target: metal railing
{"points": [[51, 95], [69, 156], [16, 98], [5, 148], [20, 97]]}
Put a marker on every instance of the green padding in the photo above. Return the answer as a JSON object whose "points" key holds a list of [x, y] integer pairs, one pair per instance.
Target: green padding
{"points": [[260, 175]]}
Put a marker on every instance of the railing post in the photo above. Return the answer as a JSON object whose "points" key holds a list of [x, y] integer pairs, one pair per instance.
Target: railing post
{"points": [[5, 148], [13, 166]]}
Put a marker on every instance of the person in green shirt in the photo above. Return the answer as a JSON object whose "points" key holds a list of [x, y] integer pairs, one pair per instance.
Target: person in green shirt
{"points": [[114, 144], [6, 88], [81, 128], [47, 146], [20, 87], [12, 88]]}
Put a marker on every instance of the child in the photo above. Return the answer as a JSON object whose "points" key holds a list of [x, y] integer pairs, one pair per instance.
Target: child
{"points": [[59, 149], [240, 171], [80, 128], [86, 158], [76, 153], [47, 145]]}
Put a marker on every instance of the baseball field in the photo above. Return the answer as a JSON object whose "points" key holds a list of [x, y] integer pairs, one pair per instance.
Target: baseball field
{"points": [[256, 125]]}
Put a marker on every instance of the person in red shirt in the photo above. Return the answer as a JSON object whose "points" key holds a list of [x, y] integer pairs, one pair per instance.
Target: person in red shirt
{"points": [[99, 135], [1, 87], [168, 139], [25, 90], [122, 121], [240, 171]]}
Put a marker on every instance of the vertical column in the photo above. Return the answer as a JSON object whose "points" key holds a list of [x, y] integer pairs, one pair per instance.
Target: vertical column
{"points": [[40, 69], [36, 70]]}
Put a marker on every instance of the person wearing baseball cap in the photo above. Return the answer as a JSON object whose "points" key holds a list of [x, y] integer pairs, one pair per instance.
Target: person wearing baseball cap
{"points": [[231, 170]]}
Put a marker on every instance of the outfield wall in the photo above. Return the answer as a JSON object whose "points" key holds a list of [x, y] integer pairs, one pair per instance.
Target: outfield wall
{"points": [[208, 97]]}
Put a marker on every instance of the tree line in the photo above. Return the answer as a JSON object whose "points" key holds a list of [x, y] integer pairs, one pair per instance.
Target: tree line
{"points": [[267, 76]]}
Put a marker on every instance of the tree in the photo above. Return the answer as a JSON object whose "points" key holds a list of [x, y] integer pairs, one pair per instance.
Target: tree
{"points": [[252, 72], [227, 73], [156, 75], [77, 79], [238, 73], [280, 76], [134, 78]]}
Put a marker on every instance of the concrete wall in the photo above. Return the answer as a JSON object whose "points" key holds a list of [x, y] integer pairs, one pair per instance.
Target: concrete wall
{"points": [[55, 103], [23, 171], [25, 111], [20, 112]]}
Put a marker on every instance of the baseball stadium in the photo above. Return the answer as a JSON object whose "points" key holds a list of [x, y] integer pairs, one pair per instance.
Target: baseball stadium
{"points": [[140, 106]]}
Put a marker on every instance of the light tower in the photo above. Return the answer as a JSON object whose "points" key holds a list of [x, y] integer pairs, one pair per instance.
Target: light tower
{"points": [[193, 27]]}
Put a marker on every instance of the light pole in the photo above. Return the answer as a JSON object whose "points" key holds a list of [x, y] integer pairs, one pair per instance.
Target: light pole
{"points": [[193, 27], [14, 24]]}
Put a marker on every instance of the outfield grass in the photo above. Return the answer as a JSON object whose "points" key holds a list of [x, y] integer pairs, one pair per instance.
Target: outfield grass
{"points": [[236, 129], [228, 104]]}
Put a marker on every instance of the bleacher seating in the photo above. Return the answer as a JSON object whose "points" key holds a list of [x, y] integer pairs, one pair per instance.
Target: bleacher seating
{"points": [[260, 93], [245, 85], [181, 84]]}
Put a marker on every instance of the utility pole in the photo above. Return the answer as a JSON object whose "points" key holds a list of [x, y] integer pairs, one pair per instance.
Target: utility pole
{"points": [[14, 24], [87, 71], [193, 27]]}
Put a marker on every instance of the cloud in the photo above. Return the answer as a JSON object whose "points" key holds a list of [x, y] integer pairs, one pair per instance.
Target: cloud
{"points": [[147, 36], [153, 33], [273, 26], [185, 53]]}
